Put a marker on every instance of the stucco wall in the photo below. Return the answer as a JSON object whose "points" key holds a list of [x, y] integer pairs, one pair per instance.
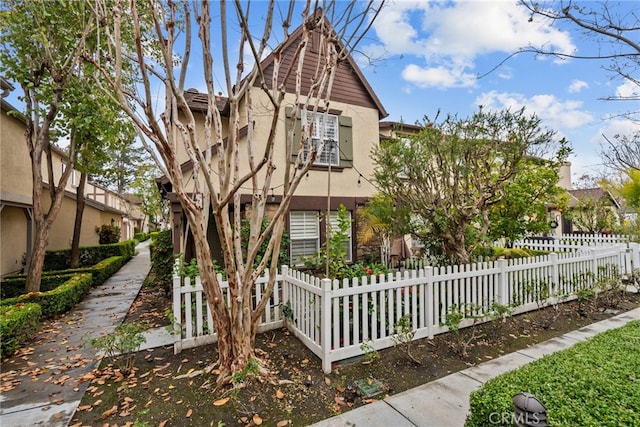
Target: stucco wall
{"points": [[62, 229], [344, 181], [13, 243], [15, 165]]}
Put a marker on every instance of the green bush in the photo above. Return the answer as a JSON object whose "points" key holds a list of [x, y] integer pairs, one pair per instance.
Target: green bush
{"points": [[594, 383], [161, 252], [108, 234], [14, 286], [89, 255], [141, 237], [18, 323], [58, 300]]}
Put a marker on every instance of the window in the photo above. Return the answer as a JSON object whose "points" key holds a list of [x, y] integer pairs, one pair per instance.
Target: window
{"points": [[338, 128], [324, 131], [73, 178], [304, 235]]}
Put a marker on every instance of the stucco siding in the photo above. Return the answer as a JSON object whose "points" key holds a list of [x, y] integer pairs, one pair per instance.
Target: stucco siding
{"points": [[13, 244]]}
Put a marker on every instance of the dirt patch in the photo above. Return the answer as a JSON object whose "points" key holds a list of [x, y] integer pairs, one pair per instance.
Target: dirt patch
{"points": [[166, 389]]}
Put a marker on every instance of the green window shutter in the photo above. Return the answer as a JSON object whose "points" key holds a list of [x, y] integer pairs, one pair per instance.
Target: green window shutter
{"points": [[346, 141], [295, 144]]}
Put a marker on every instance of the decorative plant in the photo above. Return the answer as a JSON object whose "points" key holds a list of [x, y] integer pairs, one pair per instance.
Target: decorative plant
{"points": [[122, 344], [403, 337]]}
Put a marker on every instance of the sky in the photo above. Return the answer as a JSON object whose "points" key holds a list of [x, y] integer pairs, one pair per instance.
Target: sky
{"points": [[431, 54], [421, 57]]}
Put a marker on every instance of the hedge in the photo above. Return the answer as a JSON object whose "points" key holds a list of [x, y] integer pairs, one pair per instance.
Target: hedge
{"points": [[162, 259], [593, 383], [141, 237], [14, 286], [89, 255], [58, 300], [18, 323]]}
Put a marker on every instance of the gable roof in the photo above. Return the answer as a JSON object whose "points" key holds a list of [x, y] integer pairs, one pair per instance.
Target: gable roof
{"points": [[597, 194], [350, 86]]}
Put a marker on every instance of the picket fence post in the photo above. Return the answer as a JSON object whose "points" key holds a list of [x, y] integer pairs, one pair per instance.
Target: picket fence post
{"points": [[325, 325], [554, 283], [635, 255], [177, 316], [429, 309], [502, 282]]}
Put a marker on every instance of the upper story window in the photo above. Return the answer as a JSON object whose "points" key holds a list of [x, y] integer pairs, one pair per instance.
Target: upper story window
{"points": [[324, 137], [335, 130]]}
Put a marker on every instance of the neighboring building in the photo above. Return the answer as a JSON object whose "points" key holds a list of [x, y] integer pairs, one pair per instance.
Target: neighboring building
{"points": [[16, 207], [354, 113], [593, 210]]}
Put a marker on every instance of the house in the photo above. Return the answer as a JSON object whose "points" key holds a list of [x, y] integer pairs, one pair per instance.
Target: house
{"points": [[16, 206], [592, 210], [340, 176]]}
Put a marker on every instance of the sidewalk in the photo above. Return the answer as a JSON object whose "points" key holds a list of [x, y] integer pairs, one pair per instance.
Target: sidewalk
{"points": [[48, 392], [445, 402]]}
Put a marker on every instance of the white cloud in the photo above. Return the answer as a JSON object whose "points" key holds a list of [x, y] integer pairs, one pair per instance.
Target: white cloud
{"points": [[451, 35], [441, 77], [555, 113], [628, 90], [577, 85]]}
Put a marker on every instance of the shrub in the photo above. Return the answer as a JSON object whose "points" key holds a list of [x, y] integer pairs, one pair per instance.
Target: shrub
{"points": [[161, 251], [594, 383], [14, 286], [121, 344], [59, 300], [108, 234], [89, 255], [141, 237], [18, 323]]}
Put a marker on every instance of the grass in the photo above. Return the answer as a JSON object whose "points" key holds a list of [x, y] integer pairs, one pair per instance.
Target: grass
{"points": [[594, 383]]}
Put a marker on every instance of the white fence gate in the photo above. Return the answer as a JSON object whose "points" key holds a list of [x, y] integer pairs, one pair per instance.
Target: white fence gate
{"points": [[333, 318]]}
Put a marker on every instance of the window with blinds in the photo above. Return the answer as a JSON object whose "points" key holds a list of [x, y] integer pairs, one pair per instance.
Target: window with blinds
{"points": [[304, 235]]}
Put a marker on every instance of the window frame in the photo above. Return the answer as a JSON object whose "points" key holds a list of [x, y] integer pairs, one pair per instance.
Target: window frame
{"points": [[330, 154]]}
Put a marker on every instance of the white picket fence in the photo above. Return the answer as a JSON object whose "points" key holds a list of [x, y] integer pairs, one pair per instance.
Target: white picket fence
{"points": [[334, 318]]}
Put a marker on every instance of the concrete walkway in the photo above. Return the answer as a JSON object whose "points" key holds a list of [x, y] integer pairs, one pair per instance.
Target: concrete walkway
{"points": [[445, 402], [49, 392]]}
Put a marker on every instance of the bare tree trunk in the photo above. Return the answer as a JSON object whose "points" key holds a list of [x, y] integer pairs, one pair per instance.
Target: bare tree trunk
{"points": [[77, 226]]}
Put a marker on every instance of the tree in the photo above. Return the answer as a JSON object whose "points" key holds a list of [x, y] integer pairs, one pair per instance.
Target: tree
{"points": [[42, 44], [454, 172], [615, 29], [382, 218], [593, 215], [144, 186], [622, 152], [121, 167], [226, 160], [523, 210]]}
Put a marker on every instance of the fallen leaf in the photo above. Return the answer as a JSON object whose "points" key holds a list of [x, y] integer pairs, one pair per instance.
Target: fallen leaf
{"points": [[84, 407], [257, 420], [221, 402], [340, 388], [282, 423], [109, 412], [279, 394], [163, 423], [327, 380], [189, 412], [58, 415]]}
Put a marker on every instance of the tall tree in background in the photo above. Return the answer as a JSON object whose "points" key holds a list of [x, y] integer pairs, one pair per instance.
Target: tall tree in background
{"points": [[42, 46], [144, 186], [454, 172], [162, 33], [119, 170]]}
